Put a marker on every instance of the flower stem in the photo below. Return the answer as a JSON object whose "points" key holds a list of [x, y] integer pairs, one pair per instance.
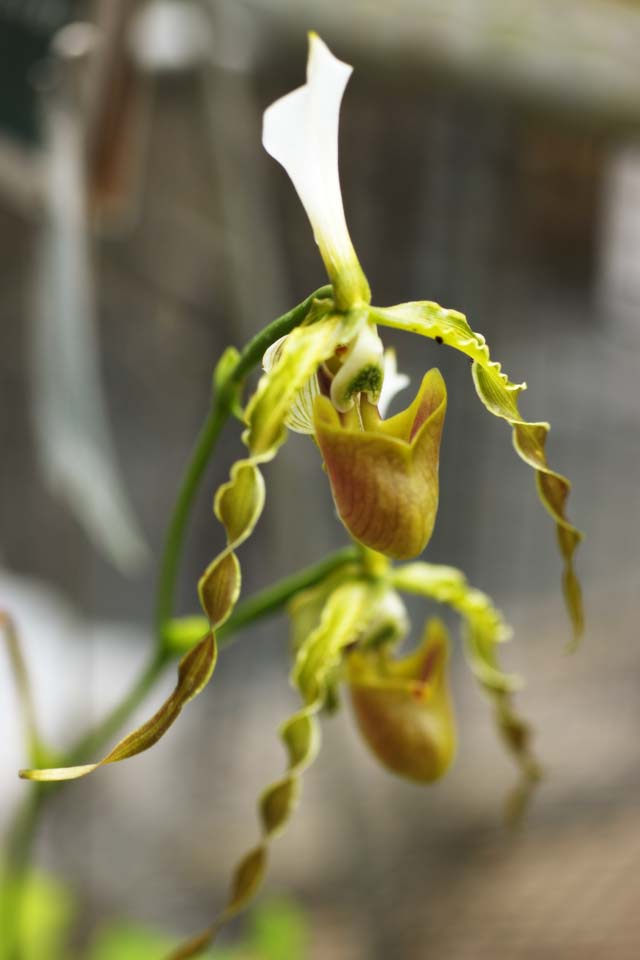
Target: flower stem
{"points": [[221, 404], [274, 598]]}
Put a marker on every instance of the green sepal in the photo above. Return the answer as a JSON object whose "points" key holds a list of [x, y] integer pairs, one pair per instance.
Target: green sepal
{"points": [[500, 396], [194, 672]]}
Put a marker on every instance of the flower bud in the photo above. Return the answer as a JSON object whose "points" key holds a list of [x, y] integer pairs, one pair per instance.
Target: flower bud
{"points": [[403, 706]]}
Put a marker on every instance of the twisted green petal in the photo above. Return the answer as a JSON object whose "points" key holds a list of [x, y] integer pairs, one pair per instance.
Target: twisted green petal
{"points": [[239, 502], [500, 397], [342, 617], [194, 672]]}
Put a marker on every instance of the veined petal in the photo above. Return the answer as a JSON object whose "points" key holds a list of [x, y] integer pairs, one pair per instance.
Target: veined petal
{"points": [[300, 131], [300, 416]]}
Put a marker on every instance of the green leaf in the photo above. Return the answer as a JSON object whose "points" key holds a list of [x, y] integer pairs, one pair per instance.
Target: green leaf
{"points": [[194, 672], [500, 397]]}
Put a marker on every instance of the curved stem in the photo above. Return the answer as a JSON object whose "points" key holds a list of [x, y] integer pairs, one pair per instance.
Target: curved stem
{"points": [[274, 598], [222, 400], [254, 351]]}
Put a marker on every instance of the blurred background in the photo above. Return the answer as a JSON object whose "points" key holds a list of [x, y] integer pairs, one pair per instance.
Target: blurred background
{"points": [[490, 161]]}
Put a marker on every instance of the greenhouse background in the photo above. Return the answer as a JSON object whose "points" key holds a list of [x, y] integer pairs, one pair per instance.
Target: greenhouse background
{"points": [[490, 161]]}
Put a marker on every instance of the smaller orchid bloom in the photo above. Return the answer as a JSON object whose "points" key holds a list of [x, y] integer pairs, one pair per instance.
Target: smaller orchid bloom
{"points": [[384, 473], [403, 706], [300, 131]]}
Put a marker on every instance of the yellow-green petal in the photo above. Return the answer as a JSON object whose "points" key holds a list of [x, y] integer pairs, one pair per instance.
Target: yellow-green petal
{"points": [[345, 615], [500, 397], [194, 672]]}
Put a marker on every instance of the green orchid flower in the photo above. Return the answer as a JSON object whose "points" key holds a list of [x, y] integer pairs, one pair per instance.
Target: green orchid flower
{"points": [[301, 132]]}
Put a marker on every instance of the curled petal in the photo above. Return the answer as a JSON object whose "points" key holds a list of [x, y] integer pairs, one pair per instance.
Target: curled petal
{"points": [[342, 614], [300, 131], [500, 397], [385, 479], [194, 672], [403, 706]]}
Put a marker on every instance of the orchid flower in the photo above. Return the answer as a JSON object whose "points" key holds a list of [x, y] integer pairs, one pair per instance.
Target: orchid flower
{"points": [[301, 132]]}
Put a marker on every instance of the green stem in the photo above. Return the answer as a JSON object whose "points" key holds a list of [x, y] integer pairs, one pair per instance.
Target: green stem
{"points": [[95, 739], [254, 351], [222, 400], [274, 598]]}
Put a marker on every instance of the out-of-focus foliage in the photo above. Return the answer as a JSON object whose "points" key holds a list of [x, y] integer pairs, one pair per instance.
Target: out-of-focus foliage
{"points": [[47, 910]]}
